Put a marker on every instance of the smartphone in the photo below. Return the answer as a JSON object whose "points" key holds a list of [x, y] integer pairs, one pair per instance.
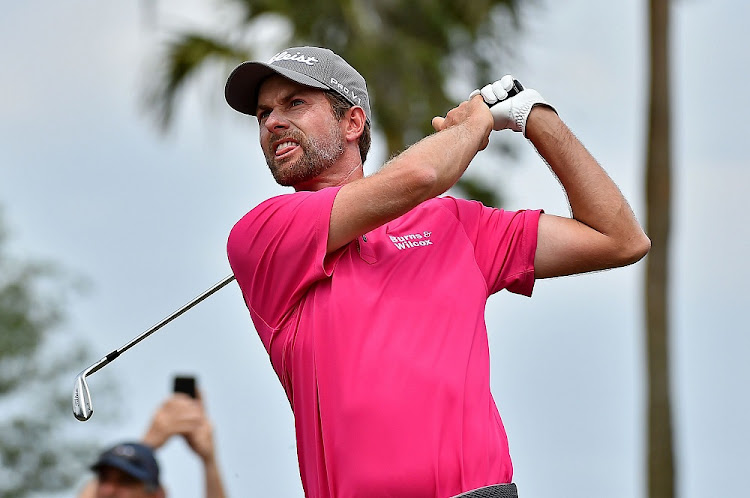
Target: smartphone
{"points": [[185, 384]]}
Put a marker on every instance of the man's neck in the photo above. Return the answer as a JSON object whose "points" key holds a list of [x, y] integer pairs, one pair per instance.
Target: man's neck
{"points": [[334, 176]]}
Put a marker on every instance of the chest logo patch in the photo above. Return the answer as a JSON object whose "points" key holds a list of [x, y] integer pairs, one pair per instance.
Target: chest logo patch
{"points": [[412, 240]]}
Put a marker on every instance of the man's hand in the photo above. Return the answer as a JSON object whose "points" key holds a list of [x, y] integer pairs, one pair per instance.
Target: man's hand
{"points": [[509, 111], [472, 109], [200, 436], [180, 414]]}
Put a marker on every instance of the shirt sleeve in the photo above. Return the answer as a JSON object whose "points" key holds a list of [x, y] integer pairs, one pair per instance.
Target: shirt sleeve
{"points": [[504, 243], [278, 250]]}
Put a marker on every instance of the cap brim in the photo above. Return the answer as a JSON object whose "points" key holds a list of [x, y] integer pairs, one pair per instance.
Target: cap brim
{"points": [[241, 90], [120, 464]]}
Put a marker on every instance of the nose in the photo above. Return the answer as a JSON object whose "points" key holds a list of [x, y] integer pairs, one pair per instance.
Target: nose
{"points": [[276, 121]]}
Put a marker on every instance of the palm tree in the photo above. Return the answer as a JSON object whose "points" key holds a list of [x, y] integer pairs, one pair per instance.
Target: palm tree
{"points": [[658, 185], [409, 51]]}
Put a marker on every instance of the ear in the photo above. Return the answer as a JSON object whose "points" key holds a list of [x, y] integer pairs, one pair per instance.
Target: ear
{"points": [[355, 123]]}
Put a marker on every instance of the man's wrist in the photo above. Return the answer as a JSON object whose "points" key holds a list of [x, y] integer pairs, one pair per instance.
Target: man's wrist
{"points": [[153, 439], [540, 119]]}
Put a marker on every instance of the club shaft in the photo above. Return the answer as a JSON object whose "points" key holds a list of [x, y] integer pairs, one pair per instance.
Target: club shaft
{"points": [[114, 354]]}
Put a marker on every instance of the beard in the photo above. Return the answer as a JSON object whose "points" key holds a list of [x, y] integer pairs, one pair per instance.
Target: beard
{"points": [[318, 154]]}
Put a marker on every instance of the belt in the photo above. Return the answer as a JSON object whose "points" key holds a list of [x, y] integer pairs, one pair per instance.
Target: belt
{"points": [[493, 491]]}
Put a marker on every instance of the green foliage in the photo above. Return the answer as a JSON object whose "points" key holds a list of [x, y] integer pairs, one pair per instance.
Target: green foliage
{"points": [[34, 401], [184, 56], [409, 51]]}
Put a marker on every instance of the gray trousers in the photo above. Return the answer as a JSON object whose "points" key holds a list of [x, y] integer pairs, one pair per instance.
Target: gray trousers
{"points": [[493, 491]]}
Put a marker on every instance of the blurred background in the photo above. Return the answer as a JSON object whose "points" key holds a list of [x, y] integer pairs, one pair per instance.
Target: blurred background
{"points": [[122, 171]]}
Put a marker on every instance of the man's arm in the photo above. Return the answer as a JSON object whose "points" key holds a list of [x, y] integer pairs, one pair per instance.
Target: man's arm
{"points": [[603, 231], [201, 441], [425, 170], [186, 416]]}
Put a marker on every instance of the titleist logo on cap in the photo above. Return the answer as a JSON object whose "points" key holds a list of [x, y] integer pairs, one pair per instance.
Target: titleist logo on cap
{"points": [[298, 57], [124, 451]]}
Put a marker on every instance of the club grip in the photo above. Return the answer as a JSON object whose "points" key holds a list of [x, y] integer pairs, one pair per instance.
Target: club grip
{"points": [[517, 88]]}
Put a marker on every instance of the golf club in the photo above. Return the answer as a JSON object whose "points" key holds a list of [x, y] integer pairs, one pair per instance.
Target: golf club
{"points": [[82, 406]]}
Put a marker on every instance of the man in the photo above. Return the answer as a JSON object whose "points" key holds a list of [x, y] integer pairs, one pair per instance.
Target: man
{"points": [[130, 470], [369, 292], [126, 470]]}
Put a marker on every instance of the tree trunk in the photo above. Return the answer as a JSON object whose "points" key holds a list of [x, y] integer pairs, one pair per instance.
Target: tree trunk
{"points": [[658, 185]]}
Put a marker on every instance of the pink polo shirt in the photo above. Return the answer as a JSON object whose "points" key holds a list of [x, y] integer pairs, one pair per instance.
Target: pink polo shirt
{"points": [[382, 346]]}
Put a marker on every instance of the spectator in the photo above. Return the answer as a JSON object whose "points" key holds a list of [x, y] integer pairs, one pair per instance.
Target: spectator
{"points": [[130, 469]]}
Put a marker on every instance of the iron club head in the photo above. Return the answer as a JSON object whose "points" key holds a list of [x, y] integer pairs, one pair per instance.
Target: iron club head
{"points": [[82, 407]]}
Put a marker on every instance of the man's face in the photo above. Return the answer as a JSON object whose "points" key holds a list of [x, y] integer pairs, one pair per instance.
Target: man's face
{"points": [[114, 483], [299, 134]]}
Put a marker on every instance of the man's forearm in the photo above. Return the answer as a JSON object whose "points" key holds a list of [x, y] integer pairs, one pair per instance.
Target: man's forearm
{"points": [[594, 198], [214, 485], [425, 170], [445, 156]]}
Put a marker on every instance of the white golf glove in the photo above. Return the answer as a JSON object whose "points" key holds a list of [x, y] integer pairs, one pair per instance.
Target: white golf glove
{"points": [[510, 104]]}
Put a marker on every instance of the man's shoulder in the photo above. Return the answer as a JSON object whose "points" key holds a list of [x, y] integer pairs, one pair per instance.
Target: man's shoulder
{"points": [[292, 200], [281, 199], [293, 208], [257, 211], [274, 204]]}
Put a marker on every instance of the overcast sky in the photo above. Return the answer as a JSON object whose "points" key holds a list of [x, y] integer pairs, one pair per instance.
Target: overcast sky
{"points": [[87, 182]]}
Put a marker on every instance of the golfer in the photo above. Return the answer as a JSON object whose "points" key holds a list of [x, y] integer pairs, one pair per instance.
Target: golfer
{"points": [[368, 292]]}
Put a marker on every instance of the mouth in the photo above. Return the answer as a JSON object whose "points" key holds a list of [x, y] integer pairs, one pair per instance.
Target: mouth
{"points": [[285, 148]]}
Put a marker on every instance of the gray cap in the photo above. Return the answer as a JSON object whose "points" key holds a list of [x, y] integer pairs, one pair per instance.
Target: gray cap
{"points": [[311, 66]]}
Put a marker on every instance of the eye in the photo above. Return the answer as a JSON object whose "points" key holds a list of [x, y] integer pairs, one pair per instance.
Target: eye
{"points": [[296, 102], [263, 114]]}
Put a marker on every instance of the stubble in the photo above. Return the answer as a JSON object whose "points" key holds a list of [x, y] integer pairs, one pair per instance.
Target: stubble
{"points": [[318, 154]]}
